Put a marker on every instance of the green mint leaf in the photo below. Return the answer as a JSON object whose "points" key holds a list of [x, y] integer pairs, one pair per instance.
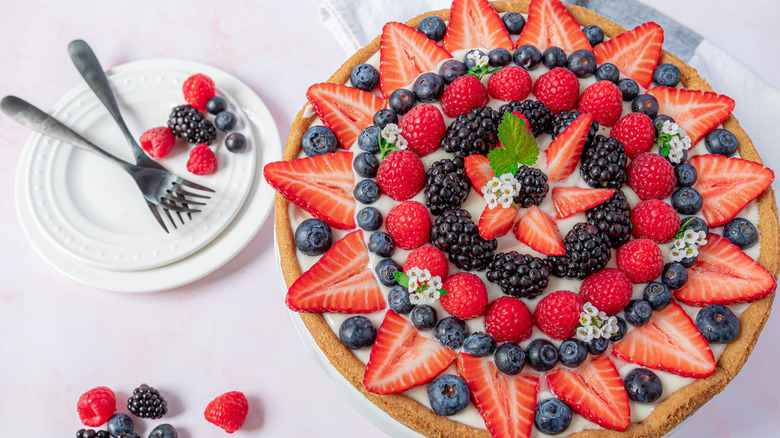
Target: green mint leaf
{"points": [[401, 278], [519, 144], [502, 161], [442, 292], [681, 233]]}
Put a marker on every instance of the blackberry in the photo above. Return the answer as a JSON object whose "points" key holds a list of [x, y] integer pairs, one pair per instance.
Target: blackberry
{"points": [[561, 120], [587, 251], [519, 275], [475, 132], [456, 234], [533, 186], [603, 164], [538, 115], [612, 218], [446, 185], [146, 402], [89, 433], [190, 124]]}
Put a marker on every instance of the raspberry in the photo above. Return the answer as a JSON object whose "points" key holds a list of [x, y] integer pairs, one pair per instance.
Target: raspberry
{"points": [[463, 95], [466, 295], [198, 89], [641, 260], [558, 89], [401, 175], [228, 411], [96, 406], [508, 319], [428, 257], [202, 160], [510, 83], [409, 225], [558, 314], [157, 142], [651, 176], [604, 100], [423, 127], [636, 132], [609, 290], [655, 220]]}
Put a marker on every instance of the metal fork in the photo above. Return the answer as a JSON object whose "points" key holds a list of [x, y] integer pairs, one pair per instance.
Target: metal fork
{"points": [[88, 65]]}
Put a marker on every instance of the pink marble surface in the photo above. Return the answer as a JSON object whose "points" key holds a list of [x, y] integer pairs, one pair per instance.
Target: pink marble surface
{"points": [[230, 331]]}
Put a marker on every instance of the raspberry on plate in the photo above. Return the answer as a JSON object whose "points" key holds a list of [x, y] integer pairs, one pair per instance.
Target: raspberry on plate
{"points": [[651, 176], [401, 175], [655, 220], [558, 314], [510, 83], [641, 260], [466, 295], [157, 142], [558, 89], [198, 89], [228, 411], [609, 290], [96, 406], [636, 132], [202, 160], [409, 225], [423, 128], [604, 100], [428, 257], [508, 319], [463, 95]]}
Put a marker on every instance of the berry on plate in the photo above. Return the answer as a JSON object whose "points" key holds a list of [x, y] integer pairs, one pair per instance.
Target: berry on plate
{"points": [[96, 406], [641, 260], [508, 319], [558, 89], [550, 24], [604, 100], [401, 175], [202, 160], [696, 112], [423, 128], [495, 222], [474, 23], [466, 295], [569, 201], [609, 290], [651, 176], [405, 54], [428, 257], [636, 132], [409, 225], [510, 83], [345, 110], [558, 314], [147, 402], [463, 95], [198, 89], [157, 142], [228, 411], [539, 231], [635, 53], [655, 220], [563, 154]]}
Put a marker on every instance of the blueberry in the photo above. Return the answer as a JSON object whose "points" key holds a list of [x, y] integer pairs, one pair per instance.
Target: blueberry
{"points": [[385, 270], [660, 119], [514, 22], [573, 352], [381, 244], [552, 416], [638, 312], [423, 317], [319, 140], [686, 175], [643, 386], [452, 69], [666, 75], [740, 232], [598, 345], [658, 295], [357, 332], [696, 224], [364, 77], [674, 275], [499, 57], [718, 324], [119, 423], [645, 104], [369, 139], [369, 219], [554, 57], [594, 34], [216, 105], [313, 237], [622, 329], [721, 142], [433, 27], [451, 332], [428, 87], [689, 261], [542, 355], [448, 394], [607, 72], [479, 344], [686, 200], [164, 430], [366, 191], [510, 358], [225, 121], [401, 101], [235, 142], [398, 299], [629, 88], [582, 63], [528, 57], [682, 160], [365, 165], [468, 62], [385, 117]]}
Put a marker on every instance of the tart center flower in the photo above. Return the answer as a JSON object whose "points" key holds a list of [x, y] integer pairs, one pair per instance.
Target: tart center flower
{"points": [[595, 324], [423, 287], [673, 141], [501, 191]]}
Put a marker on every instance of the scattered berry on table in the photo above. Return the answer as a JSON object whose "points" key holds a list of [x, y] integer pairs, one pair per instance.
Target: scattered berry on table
{"points": [[96, 406], [428, 87], [638, 312], [629, 89], [722, 142], [357, 332], [423, 128], [479, 344], [651, 176], [534, 111], [446, 185], [473, 133], [553, 57], [428, 257], [558, 314], [674, 275], [401, 101], [313, 237], [598, 346], [119, 423], [594, 34], [573, 352], [216, 105], [455, 233], [558, 89], [636, 132], [604, 100], [686, 175], [528, 57], [658, 295], [228, 411], [225, 121], [423, 317], [409, 225], [452, 69], [508, 319], [398, 300], [369, 219], [641, 260], [643, 386], [510, 83], [609, 290], [369, 139], [718, 324], [381, 244], [603, 164], [198, 89], [89, 433], [448, 394], [645, 104], [666, 75], [621, 331], [467, 295], [164, 430], [612, 217], [433, 27], [364, 77], [687, 200], [188, 123], [510, 358], [542, 355], [471, 57], [366, 191], [401, 175], [157, 142], [740, 232], [519, 275], [514, 22], [608, 72], [147, 402], [385, 270], [462, 95], [655, 220], [319, 140], [451, 332], [582, 63], [235, 142], [365, 165], [499, 58], [587, 251], [552, 416], [384, 117]]}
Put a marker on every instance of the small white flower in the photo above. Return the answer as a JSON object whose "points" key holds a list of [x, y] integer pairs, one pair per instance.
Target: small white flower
{"points": [[584, 334], [401, 143], [690, 236], [414, 271], [492, 200], [675, 156], [676, 255], [413, 285], [676, 143], [691, 251], [507, 178], [701, 238], [436, 283], [431, 296], [598, 332], [680, 243], [507, 189], [505, 201], [611, 325], [669, 127], [390, 132], [415, 298], [589, 309], [602, 316], [584, 319], [424, 276]]}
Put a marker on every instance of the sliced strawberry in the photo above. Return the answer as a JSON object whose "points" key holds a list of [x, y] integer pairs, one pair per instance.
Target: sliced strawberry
{"points": [[321, 185], [475, 24], [564, 152], [404, 55], [539, 231], [572, 200], [669, 342], [495, 222], [550, 24], [345, 110], [341, 281], [595, 391], [723, 274], [506, 403], [697, 112], [635, 53], [402, 358], [479, 171], [727, 185]]}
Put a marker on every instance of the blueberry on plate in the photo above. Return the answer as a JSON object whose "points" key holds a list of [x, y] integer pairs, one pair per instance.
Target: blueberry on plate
{"points": [[645, 104], [622, 329], [514, 22], [542, 355], [381, 244], [674, 275], [365, 165], [448, 394], [452, 69], [225, 121], [428, 87], [629, 88], [696, 224], [740, 232], [451, 332], [433, 27], [401, 101], [721, 142], [686, 200], [364, 77], [423, 317], [552, 416], [164, 430], [216, 105], [643, 386], [718, 324], [319, 140], [499, 57], [369, 219], [470, 63], [638, 312], [479, 344], [385, 117], [119, 423], [607, 72], [594, 34], [597, 346], [528, 57], [554, 57], [658, 295], [660, 119], [685, 173], [510, 358], [385, 270], [573, 352], [582, 63], [357, 332], [366, 191], [313, 237], [398, 300], [369, 139], [235, 142], [666, 75]]}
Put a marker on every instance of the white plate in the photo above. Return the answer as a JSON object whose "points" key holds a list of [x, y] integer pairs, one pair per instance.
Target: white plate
{"points": [[93, 210], [249, 217]]}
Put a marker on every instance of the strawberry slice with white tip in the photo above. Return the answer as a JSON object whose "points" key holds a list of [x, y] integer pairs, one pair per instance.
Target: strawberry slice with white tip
{"points": [[321, 185], [669, 342], [341, 281], [595, 391], [495, 222], [550, 24], [402, 358], [564, 152], [405, 54], [479, 171], [697, 112], [345, 110], [475, 24], [539, 231], [569, 201], [727, 185], [635, 53], [506, 403], [723, 274]]}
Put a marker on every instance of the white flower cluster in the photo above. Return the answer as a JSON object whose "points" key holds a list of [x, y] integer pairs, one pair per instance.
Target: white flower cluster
{"points": [[595, 324], [479, 58], [392, 134], [423, 288], [678, 141], [501, 191], [687, 245]]}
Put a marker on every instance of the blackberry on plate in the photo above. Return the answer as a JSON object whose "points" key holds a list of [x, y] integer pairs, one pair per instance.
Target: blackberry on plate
{"points": [[446, 185], [533, 186], [603, 164], [537, 114], [188, 123], [587, 251], [561, 120], [613, 219], [457, 235], [519, 275], [475, 132], [146, 402], [89, 433]]}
